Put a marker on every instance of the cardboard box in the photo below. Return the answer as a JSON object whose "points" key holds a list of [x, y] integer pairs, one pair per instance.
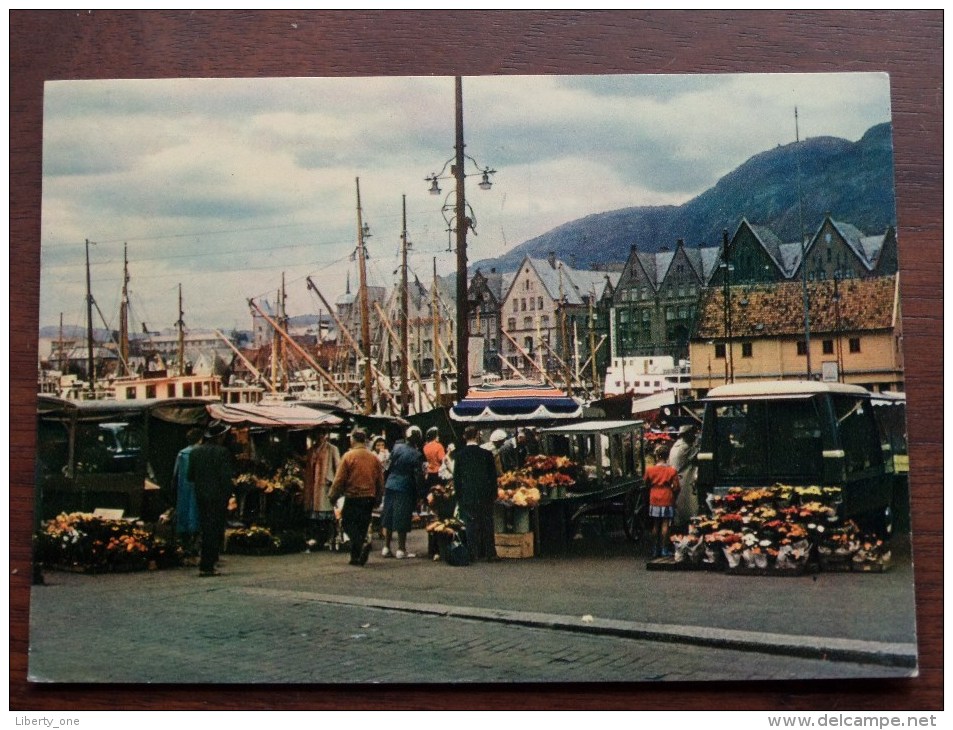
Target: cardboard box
{"points": [[513, 545]]}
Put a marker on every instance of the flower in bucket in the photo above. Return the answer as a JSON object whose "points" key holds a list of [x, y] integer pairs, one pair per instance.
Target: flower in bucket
{"points": [[517, 488], [554, 480]]}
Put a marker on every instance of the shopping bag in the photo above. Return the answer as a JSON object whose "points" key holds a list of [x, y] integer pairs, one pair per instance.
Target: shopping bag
{"points": [[458, 553]]}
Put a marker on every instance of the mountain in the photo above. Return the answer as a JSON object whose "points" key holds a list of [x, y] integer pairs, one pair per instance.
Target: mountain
{"points": [[853, 181]]}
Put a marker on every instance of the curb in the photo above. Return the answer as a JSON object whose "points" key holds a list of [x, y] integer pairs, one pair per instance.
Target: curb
{"points": [[811, 647]]}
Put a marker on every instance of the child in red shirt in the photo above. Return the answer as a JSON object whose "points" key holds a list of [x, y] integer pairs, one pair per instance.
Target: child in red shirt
{"points": [[662, 481]]}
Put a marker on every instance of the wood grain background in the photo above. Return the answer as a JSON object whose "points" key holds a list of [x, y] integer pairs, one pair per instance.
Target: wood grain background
{"points": [[48, 45]]}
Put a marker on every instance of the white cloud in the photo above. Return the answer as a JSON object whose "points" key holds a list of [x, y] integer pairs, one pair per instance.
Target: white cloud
{"points": [[224, 184]]}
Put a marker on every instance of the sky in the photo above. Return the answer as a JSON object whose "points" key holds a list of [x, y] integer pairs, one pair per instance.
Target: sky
{"points": [[227, 186]]}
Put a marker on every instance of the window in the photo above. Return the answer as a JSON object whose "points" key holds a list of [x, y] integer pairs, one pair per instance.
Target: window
{"points": [[186, 390], [522, 305], [170, 390], [545, 320], [828, 347], [528, 344], [746, 349], [532, 304], [802, 348], [854, 344], [720, 351], [511, 324], [130, 392], [150, 391], [527, 323], [540, 303], [745, 432], [516, 306]]}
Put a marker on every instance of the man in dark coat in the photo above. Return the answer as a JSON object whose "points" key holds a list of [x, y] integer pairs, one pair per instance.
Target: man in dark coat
{"points": [[211, 469], [474, 479]]}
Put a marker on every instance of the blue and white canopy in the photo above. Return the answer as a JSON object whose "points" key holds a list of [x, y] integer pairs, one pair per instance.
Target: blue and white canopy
{"points": [[515, 401]]}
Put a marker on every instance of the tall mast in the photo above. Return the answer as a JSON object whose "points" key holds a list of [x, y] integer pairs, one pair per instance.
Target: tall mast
{"points": [[435, 315], [124, 313], [89, 328], [181, 327], [283, 351], [562, 331], [275, 344], [365, 313], [62, 350], [404, 313], [800, 205], [592, 343]]}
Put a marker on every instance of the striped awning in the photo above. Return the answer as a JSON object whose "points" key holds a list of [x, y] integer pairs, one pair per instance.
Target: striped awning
{"points": [[516, 401]]}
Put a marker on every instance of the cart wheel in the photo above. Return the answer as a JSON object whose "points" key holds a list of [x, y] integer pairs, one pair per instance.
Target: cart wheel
{"points": [[633, 514]]}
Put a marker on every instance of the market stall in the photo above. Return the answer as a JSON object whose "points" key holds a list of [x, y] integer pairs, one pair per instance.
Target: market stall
{"points": [[589, 469], [285, 454]]}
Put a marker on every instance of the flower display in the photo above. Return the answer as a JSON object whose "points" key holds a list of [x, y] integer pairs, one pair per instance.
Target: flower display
{"points": [[83, 541], [780, 528], [258, 540], [287, 478], [871, 551]]}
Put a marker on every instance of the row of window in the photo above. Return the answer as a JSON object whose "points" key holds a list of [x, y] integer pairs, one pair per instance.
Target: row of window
{"points": [[671, 314], [519, 305], [827, 347], [645, 293]]}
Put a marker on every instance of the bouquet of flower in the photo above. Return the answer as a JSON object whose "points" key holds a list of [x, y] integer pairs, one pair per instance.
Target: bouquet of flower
{"points": [[792, 555], [824, 495], [733, 553], [687, 548], [755, 556], [442, 500], [840, 543], [449, 527], [816, 511], [872, 551]]}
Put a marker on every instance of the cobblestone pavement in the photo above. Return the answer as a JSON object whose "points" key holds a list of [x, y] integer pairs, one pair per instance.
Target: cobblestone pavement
{"points": [[594, 615]]}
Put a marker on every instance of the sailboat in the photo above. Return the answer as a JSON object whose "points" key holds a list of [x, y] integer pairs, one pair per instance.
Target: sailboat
{"points": [[157, 382]]}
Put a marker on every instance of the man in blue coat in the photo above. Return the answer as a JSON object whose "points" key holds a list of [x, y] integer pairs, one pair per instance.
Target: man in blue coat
{"points": [[474, 480]]}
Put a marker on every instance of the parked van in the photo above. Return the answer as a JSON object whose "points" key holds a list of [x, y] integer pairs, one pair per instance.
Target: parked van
{"points": [[799, 433]]}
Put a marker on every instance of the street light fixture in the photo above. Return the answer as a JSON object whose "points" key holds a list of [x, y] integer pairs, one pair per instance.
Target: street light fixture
{"points": [[464, 222]]}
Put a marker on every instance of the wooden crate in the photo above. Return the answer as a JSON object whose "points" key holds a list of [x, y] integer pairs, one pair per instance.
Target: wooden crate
{"points": [[513, 545]]}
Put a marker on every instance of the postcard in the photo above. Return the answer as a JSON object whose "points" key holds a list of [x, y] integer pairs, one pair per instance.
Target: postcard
{"points": [[437, 380]]}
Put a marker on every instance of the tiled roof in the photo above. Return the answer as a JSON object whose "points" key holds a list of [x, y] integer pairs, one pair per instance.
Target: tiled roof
{"points": [[778, 309]]}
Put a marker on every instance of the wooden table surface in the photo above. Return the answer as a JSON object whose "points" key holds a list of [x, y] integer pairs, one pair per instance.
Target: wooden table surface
{"points": [[46, 45]]}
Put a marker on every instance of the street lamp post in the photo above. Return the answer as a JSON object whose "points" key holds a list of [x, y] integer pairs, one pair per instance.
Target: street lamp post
{"points": [[463, 222], [729, 355]]}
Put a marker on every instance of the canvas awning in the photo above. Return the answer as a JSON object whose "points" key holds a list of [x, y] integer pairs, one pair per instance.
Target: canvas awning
{"points": [[278, 415]]}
